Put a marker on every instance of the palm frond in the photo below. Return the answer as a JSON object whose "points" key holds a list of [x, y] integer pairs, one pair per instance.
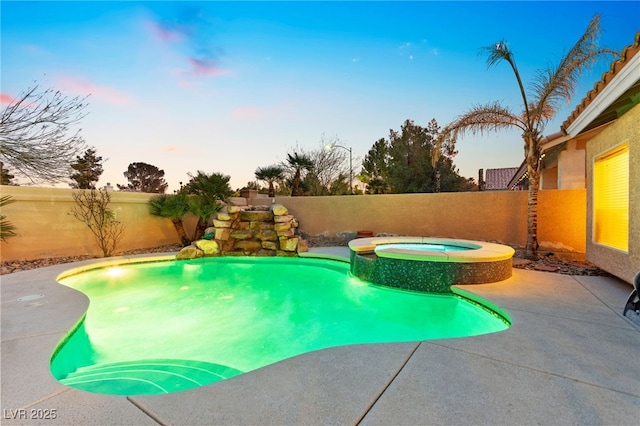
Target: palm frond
{"points": [[269, 173], [299, 161], [172, 206], [500, 51], [481, 119], [203, 207], [7, 229], [496, 52], [554, 86]]}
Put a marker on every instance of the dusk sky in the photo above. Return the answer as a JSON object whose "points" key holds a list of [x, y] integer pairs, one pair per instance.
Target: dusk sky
{"points": [[231, 86]]}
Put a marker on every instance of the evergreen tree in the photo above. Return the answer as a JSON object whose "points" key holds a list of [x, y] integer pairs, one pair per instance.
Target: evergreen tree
{"points": [[88, 170], [409, 159], [144, 177], [374, 168], [414, 159]]}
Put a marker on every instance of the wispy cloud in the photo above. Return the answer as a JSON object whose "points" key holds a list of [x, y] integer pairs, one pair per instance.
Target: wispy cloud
{"points": [[248, 113], [6, 99], [189, 34], [86, 87], [171, 149], [163, 33], [205, 67]]}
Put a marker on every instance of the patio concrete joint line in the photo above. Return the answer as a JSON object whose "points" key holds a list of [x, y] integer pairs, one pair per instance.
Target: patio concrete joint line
{"points": [[31, 336], [615, 310], [147, 412], [569, 318], [53, 395], [538, 370], [382, 390]]}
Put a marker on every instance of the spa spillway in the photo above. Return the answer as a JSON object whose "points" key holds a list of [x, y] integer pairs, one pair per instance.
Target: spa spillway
{"points": [[429, 264]]}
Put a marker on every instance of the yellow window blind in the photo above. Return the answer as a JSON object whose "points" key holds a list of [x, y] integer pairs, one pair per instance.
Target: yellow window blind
{"points": [[611, 198]]}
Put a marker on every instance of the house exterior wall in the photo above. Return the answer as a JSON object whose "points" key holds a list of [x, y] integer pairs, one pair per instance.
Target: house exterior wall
{"points": [[549, 177], [621, 264], [46, 230], [571, 170]]}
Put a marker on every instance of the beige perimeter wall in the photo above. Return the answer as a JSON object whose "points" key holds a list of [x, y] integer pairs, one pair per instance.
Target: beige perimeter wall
{"points": [[46, 230], [622, 264], [499, 216]]}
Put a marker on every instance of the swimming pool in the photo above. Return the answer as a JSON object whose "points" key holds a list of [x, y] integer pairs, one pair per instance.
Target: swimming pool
{"points": [[168, 326]]}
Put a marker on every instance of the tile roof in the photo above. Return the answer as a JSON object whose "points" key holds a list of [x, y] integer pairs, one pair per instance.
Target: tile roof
{"points": [[498, 179], [626, 55]]}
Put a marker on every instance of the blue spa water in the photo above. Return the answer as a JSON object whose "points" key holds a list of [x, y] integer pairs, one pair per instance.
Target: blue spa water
{"points": [[421, 247], [169, 326]]}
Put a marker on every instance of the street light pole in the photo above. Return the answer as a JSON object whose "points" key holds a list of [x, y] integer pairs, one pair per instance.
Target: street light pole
{"points": [[331, 146]]}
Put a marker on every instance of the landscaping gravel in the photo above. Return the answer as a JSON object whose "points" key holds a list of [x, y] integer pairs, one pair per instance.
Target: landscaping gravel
{"points": [[545, 263], [24, 265]]}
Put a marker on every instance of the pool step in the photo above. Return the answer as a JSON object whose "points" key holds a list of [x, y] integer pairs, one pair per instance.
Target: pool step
{"points": [[147, 377]]}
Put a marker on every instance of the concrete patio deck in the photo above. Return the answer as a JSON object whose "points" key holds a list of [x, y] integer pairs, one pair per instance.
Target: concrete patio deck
{"points": [[570, 357]]}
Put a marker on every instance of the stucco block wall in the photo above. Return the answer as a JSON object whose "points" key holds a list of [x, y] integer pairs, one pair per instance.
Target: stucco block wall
{"points": [[499, 216], [491, 215], [621, 264], [45, 229]]}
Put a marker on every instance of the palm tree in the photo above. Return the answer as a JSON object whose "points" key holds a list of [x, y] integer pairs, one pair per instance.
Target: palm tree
{"points": [[7, 229], [207, 190], [174, 207], [298, 162], [270, 174], [214, 187], [203, 209], [552, 87]]}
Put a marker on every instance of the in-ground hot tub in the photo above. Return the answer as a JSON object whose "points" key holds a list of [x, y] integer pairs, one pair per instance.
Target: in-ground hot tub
{"points": [[429, 264]]}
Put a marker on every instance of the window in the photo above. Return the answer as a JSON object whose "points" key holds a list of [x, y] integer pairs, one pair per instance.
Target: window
{"points": [[611, 198]]}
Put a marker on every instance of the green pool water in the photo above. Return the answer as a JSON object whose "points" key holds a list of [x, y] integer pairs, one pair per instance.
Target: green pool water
{"points": [[168, 326]]}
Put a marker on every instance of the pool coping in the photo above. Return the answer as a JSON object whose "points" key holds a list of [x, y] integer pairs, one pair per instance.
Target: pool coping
{"points": [[584, 372], [480, 251], [112, 262]]}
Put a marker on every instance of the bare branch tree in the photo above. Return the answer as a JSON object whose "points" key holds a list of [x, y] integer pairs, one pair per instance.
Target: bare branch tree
{"points": [[328, 165], [36, 136], [92, 210]]}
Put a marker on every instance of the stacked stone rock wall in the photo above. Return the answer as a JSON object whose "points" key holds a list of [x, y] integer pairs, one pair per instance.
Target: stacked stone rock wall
{"points": [[245, 231]]}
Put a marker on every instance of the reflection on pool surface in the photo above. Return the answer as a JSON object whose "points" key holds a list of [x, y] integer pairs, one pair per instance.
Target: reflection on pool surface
{"points": [[168, 326]]}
